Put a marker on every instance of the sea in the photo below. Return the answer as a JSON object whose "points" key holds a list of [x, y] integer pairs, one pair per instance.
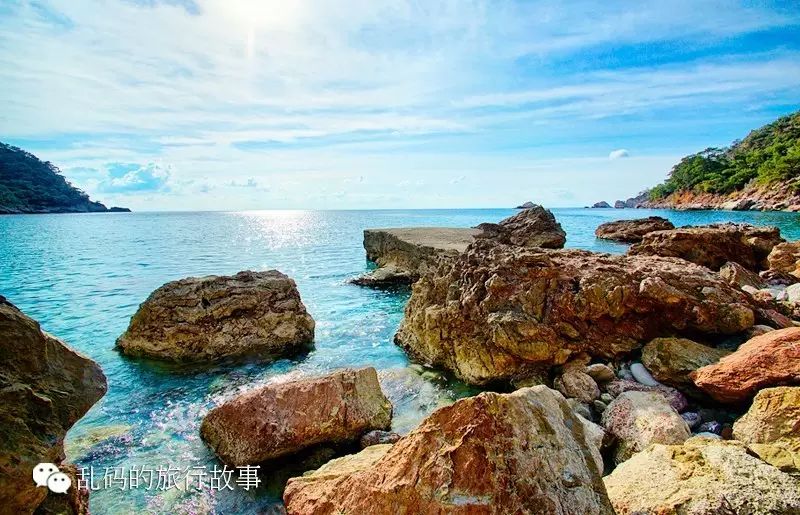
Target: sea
{"points": [[82, 276]]}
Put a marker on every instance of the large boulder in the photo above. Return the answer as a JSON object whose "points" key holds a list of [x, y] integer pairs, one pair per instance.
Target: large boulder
{"points": [[498, 312], [713, 245], [771, 427], [523, 452], [632, 231], [785, 257], [675, 398], [638, 419], [531, 227], [771, 359], [284, 418], [740, 276], [671, 360], [206, 319], [701, 477], [45, 387]]}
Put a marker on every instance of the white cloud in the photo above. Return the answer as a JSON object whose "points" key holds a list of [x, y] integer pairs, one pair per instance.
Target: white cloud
{"points": [[618, 154]]}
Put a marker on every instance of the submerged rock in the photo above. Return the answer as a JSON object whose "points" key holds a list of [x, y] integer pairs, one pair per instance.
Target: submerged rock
{"points": [[206, 319], [493, 453], [771, 427], [497, 312], [284, 418], [713, 245], [772, 359], [701, 477], [532, 227], [632, 231], [638, 419], [45, 387], [671, 360]]}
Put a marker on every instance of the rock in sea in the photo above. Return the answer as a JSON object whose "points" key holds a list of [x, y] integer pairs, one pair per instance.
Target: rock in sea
{"points": [[631, 231], [521, 452], [207, 319], [45, 387], [532, 227], [284, 418]]}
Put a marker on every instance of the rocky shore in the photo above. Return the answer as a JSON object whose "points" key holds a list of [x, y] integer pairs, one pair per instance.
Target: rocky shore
{"points": [[781, 196]]}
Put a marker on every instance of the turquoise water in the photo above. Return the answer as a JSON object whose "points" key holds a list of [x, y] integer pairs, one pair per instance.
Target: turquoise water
{"points": [[83, 276]]}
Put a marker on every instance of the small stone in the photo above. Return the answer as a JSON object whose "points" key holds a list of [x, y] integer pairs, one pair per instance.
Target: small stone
{"points": [[577, 385], [758, 330], [676, 399], [711, 427], [607, 398], [378, 437], [625, 374], [705, 434], [727, 432], [599, 406], [642, 375], [581, 409], [692, 419], [600, 372]]}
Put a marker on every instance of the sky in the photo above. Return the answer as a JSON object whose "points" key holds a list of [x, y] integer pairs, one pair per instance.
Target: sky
{"points": [[360, 104]]}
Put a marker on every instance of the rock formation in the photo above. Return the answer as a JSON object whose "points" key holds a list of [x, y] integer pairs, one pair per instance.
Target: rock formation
{"points": [[207, 319], [772, 359], [532, 227], [619, 204], [526, 205], [601, 205], [785, 257], [701, 477], [498, 312], [45, 387], [713, 245], [521, 452], [632, 231], [671, 360], [739, 276], [284, 418]]}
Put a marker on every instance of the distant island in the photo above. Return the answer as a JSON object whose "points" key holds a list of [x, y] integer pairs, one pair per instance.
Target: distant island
{"points": [[30, 185]]}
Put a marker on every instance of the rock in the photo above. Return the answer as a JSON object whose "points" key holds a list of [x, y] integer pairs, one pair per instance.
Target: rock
{"points": [[619, 204], [712, 245], [532, 227], [606, 398], [601, 205], [378, 437], [737, 275], [526, 205], [701, 477], [498, 311], [208, 319], [601, 373], [284, 418], [641, 375], [581, 409], [675, 398], [625, 374], [771, 427], [384, 277], [493, 453], [772, 359], [638, 419], [710, 427], [785, 257], [777, 278], [706, 434], [758, 330], [599, 406], [671, 360], [632, 231], [577, 384], [692, 419], [45, 387], [792, 293]]}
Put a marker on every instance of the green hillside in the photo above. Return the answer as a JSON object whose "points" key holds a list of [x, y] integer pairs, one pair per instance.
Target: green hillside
{"points": [[767, 155]]}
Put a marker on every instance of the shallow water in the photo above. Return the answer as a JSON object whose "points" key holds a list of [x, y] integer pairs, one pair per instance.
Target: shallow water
{"points": [[83, 276]]}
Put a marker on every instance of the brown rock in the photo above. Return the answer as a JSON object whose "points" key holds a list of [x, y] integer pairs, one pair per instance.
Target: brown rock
{"points": [[532, 227], [739, 276], [601, 373], [575, 383], [675, 398], [284, 418], [632, 231], [771, 427], [497, 311], [713, 245], [522, 452], [45, 387], [638, 419], [701, 477], [206, 319], [785, 258], [671, 360], [772, 359]]}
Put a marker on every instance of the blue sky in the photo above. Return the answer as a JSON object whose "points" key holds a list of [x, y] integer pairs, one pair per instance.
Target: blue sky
{"points": [[249, 104]]}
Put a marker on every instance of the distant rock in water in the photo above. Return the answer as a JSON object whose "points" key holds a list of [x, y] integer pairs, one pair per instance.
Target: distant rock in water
{"points": [[619, 204], [526, 205], [207, 319], [601, 205], [29, 185], [631, 231], [45, 387]]}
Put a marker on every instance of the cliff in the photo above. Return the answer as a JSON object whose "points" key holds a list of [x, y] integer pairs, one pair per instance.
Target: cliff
{"points": [[29, 185]]}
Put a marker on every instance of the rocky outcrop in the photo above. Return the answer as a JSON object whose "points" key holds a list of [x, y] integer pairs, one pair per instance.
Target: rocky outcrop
{"points": [[206, 319], [526, 205], [638, 419], [739, 276], [619, 204], [284, 418], [771, 427], [785, 258], [713, 245], [671, 360], [701, 477], [632, 231], [601, 205], [499, 312], [782, 196], [772, 359], [403, 254], [493, 453], [532, 227], [45, 387]]}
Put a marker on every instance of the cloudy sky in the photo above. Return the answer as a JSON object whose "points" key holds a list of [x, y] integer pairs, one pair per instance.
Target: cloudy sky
{"points": [[251, 104]]}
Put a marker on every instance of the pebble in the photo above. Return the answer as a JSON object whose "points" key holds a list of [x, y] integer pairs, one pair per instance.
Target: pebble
{"points": [[713, 436], [711, 427], [624, 373], [642, 376], [607, 398], [692, 419], [599, 406], [600, 372]]}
